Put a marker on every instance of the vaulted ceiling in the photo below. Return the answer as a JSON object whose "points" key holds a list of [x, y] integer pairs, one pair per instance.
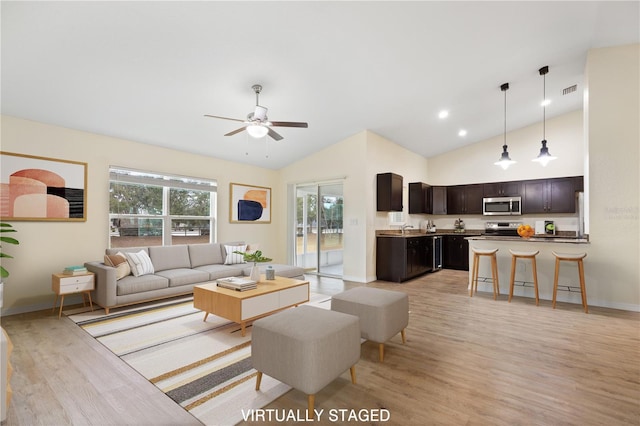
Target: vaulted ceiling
{"points": [[149, 71]]}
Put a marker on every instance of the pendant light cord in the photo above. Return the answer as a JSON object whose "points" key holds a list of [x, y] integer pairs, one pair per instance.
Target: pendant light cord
{"points": [[544, 106], [504, 88]]}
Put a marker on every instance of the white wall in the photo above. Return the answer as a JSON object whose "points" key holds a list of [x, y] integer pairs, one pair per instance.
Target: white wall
{"points": [[47, 247]]}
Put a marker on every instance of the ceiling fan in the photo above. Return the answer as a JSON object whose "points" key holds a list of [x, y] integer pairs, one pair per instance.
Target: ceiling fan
{"points": [[257, 124]]}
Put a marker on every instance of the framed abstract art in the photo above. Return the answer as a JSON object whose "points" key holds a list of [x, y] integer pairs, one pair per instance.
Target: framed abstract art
{"points": [[249, 204], [42, 189]]}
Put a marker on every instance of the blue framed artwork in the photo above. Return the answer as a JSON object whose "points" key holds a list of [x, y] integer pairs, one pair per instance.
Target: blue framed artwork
{"points": [[249, 203]]}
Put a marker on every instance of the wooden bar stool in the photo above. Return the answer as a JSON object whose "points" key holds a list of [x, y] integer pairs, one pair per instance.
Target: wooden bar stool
{"points": [[571, 257], [494, 270], [515, 255]]}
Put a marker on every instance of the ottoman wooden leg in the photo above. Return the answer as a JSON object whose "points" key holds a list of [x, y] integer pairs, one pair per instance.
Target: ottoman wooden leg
{"points": [[258, 380], [381, 352], [311, 403], [353, 374], [404, 339]]}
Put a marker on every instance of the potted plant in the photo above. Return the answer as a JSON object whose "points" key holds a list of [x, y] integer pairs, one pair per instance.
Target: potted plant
{"points": [[255, 257], [5, 227]]}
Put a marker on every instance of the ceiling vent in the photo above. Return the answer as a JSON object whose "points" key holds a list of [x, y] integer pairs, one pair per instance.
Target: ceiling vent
{"points": [[570, 89]]}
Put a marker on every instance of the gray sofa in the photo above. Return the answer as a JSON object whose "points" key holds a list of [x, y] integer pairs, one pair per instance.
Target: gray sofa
{"points": [[176, 270]]}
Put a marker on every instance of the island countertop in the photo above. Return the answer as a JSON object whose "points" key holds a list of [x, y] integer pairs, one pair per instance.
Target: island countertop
{"points": [[534, 239]]}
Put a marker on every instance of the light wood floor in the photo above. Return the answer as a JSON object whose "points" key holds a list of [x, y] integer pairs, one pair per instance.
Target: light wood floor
{"points": [[467, 361]]}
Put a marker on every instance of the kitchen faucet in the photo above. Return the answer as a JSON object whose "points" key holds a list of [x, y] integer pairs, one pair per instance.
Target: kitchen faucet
{"points": [[405, 227]]}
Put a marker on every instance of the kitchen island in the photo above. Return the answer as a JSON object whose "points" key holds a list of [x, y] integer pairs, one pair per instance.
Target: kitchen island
{"points": [[568, 281]]}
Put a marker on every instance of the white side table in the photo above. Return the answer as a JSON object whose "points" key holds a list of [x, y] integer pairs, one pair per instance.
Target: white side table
{"points": [[62, 285]]}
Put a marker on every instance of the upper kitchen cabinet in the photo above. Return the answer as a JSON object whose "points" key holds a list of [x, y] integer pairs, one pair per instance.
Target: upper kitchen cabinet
{"points": [[438, 199], [550, 195], [502, 189], [419, 198], [427, 199], [389, 192], [465, 199]]}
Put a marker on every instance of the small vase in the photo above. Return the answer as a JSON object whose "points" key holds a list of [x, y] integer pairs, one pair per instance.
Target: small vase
{"points": [[255, 273]]}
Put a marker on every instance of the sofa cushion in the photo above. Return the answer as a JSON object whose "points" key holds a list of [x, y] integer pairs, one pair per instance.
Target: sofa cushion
{"points": [[232, 257], [132, 285], [205, 254], [169, 257], [183, 276], [121, 250], [140, 263], [221, 271], [286, 271]]}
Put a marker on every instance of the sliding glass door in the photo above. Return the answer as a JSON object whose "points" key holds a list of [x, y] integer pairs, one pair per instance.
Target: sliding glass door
{"points": [[319, 228]]}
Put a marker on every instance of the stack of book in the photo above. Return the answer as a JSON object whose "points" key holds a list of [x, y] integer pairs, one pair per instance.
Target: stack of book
{"points": [[237, 283], [75, 270]]}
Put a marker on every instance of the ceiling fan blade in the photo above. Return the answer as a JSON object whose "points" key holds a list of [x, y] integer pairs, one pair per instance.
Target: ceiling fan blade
{"points": [[224, 118], [288, 124], [274, 135], [235, 131]]}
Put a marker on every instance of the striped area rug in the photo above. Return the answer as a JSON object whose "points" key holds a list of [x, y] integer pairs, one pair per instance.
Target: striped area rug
{"points": [[203, 366]]}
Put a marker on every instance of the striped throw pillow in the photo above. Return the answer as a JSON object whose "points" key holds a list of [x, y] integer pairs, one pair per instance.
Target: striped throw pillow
{"points": [[233, 258], [140, 263]]}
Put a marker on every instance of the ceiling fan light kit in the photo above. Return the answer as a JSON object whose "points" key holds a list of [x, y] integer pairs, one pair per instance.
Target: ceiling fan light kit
{"points": [[257, 123], [544, 156], [505, 161]]}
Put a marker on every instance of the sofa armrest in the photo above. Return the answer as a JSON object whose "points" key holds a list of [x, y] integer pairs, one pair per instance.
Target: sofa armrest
{"points": [[106, 287]]}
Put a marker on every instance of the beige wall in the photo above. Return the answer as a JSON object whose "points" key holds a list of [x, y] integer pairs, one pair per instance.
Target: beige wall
{"points": [[613, 132], [358, 159], [47, 247], [474, 163], [610, 167]]}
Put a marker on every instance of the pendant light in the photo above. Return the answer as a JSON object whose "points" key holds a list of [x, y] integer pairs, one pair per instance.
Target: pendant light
{"points": [[505, 161], [544, 157]]}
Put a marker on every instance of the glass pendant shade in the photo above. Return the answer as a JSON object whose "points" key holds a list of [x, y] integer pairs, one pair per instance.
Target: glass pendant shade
{"points": [[257, 131], [504, 161], [544, 157]]}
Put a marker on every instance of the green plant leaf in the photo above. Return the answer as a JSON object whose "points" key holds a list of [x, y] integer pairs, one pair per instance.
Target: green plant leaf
{"points": [[3, 272], [9, 240]]}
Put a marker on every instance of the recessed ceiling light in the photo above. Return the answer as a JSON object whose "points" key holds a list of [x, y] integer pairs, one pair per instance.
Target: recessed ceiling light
{"points": [[546, 102], [443, 114], [462, 132]]}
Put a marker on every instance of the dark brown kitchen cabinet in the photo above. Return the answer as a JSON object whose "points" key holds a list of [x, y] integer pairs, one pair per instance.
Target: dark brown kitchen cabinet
{"points": [[501, 189], [455, 252], [438, 199], [419, 198], [427, 199], [465, 199], [550, 195], [389, 192], [401, 258]]}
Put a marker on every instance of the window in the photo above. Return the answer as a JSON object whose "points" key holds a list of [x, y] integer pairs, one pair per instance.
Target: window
{"points": [[152, 209]]}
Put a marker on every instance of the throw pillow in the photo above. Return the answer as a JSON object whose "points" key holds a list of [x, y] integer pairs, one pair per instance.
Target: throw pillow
{"points": [[118, 261], [140, 263], [233, 258]]}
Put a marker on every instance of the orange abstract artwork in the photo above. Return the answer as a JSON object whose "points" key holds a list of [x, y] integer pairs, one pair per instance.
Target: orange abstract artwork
{"points": [[38, 193]]}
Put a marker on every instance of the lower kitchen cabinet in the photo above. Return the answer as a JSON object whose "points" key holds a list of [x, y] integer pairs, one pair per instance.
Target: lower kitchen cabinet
{"points": [[456, 252], [401, 258]]}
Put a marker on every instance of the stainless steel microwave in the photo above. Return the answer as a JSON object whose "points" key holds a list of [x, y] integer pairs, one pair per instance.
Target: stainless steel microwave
{"points": [[502, 206]]}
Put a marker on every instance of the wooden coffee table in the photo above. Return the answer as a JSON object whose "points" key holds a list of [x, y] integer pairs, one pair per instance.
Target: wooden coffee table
{"points": [[243, 306]]}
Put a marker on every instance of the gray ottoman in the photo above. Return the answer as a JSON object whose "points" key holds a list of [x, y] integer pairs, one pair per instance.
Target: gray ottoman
{"points": [[306, 348], [382, 313]]}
